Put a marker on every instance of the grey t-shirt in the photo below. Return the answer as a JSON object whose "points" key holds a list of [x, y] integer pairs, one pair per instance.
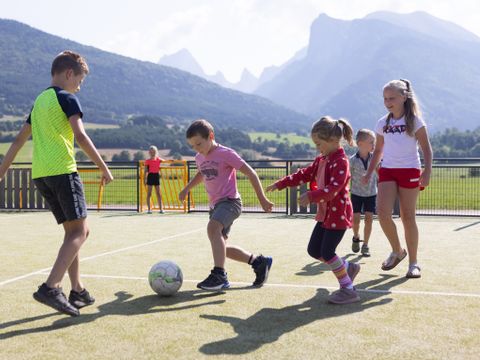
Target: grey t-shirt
{"points": [[358, 168]]}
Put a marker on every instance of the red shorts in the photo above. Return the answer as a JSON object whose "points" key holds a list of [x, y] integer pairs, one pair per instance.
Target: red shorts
{"points": [[406, 178]]}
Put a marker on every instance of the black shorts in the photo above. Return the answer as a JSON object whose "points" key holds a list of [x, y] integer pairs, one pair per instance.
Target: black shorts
{"points": [[153, 179], [64, 195], [364, 203]]}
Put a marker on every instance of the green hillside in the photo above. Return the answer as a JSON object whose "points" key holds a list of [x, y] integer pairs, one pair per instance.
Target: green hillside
{"points": [[118, 87]]}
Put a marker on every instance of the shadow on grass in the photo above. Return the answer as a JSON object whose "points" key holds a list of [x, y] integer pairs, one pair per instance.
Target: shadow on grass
{"points": [[267, 325], [123, 305], [318, 267]]}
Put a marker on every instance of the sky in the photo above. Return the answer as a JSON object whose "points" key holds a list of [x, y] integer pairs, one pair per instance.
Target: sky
{"points": [[222, 35]]}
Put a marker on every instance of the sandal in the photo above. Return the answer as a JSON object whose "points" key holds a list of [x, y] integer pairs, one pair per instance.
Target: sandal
{"points": [[413, 272], [393, 260]]}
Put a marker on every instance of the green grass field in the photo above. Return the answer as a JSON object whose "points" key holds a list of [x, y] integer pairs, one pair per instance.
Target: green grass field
{"points": [[291, 137], [435, 317]]}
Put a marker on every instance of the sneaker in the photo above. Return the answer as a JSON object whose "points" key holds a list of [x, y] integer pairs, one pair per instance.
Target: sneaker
{"points": [[365, 250], [161, 212], [356, 244], [353, 270], [55, 298], [261, 266], [344, 296], [80, 299], [214, 281]]}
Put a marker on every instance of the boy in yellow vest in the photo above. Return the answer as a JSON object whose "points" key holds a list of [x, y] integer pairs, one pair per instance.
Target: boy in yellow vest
{"points": [[55, 119]]}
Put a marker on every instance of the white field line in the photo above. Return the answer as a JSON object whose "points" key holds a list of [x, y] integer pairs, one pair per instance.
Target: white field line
{"points": [[301, 286], [42, 271]]}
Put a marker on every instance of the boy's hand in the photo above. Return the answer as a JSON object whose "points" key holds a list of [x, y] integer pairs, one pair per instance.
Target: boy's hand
{"points": [[304, 200], [182, 195], [271, 187], [267, 205], [365, 179], [106, 177]]}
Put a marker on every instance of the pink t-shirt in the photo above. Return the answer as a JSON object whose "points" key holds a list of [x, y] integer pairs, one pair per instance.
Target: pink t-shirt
{"points": [[219, 173], [153, 165]]}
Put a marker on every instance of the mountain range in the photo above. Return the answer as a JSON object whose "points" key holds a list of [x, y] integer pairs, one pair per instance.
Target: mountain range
{"points": [[118, 87], [348, 62]]}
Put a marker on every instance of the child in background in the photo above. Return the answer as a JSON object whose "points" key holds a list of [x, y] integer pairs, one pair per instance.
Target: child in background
{"points": [[54, 122], [364, 196], [330, 171], [217, 167], [152, 177], [398, 135]]}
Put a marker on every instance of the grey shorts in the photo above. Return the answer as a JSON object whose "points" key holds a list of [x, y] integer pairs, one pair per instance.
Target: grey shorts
{"points": [[64, 195], [226, 211]]}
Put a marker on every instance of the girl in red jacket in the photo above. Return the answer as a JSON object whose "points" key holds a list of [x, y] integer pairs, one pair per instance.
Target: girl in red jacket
{"points": [[330, 171]]}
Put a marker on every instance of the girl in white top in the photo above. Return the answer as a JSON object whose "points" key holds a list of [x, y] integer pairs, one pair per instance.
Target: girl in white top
{"points": [[398, 135]]}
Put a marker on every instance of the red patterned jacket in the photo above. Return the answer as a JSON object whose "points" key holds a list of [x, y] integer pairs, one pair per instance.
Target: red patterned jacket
{"points": [[339, 211]]}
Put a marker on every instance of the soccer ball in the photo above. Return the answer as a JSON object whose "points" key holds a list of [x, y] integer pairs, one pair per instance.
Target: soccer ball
{"points": [[165, 278]]}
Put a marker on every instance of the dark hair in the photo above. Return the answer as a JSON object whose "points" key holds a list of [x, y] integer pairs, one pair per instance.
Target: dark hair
{"points": [[200, 127], [328, 128], [67, 60], [411, 107]]}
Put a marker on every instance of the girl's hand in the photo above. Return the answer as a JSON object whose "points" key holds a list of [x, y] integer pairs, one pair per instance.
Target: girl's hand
{"points": [[271, 187], [304, 200], [425, 178]]}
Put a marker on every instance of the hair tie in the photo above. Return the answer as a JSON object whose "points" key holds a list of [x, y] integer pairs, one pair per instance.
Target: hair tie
{"points": [[407, 83]]}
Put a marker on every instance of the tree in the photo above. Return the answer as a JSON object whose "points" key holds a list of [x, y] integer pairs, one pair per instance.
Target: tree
{"points": [[139, 155], [81, 156], [123, 156]]}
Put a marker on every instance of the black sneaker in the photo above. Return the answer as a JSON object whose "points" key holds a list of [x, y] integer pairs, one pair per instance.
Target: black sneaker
{"points": [[214, 281], [80, 299], [55, 298], [261, 267], [356, 244]]}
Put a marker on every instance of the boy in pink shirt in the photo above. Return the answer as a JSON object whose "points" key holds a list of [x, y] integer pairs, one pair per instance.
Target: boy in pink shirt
{"points": [[217, 167]]}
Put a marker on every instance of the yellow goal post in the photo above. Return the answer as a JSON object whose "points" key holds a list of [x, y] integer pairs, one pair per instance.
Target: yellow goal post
{"points": [[173, 178]]}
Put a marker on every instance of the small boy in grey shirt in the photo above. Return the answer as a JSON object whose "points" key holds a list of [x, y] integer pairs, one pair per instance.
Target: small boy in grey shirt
{"points": [[363, 196]]}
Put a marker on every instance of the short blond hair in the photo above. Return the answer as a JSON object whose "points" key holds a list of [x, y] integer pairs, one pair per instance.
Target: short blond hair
{"points": [[364, 134]]}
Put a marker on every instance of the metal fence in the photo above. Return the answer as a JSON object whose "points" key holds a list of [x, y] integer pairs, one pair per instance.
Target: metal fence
{"points": [[454, 188]]}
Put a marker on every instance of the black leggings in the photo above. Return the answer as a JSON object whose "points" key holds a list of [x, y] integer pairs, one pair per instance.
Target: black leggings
{"points": [[324, 242]]}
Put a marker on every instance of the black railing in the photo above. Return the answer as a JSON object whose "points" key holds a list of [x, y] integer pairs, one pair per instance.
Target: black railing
{"points": [[454, 188]]}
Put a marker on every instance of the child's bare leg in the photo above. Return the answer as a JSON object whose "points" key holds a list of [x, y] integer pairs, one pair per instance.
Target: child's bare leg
{"points": [[356, 225], [76, 232], [238, 254], [408, 203], [159, 197], [149, 196], [387, 193], [367, 231], [217, 242], [74, 275]]}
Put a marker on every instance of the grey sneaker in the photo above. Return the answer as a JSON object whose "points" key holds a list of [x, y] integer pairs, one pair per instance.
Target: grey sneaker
{"points": [[344, 296], [353, 270], [365, 250], [356, 244]]}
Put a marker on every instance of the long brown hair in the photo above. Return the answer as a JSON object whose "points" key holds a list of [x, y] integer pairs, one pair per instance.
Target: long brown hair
{"points": [[328, 129], [411, 106]]}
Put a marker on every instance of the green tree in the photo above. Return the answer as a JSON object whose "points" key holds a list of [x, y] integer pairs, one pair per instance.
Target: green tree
{"points": [[81, 156]]}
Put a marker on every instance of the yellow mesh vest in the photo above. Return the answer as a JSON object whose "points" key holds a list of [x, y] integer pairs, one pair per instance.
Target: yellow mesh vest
{"points": [[52, 135]]}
